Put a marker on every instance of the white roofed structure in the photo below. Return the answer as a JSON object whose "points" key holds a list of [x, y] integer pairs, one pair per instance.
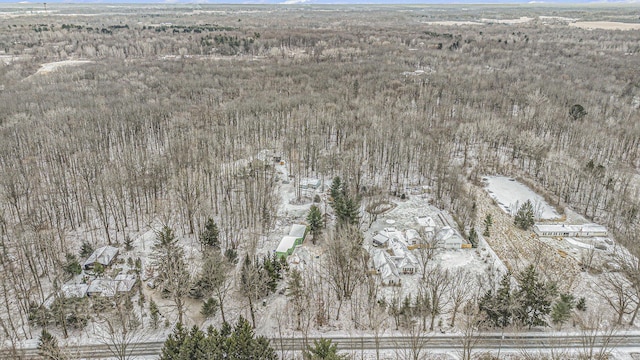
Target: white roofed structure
{"points": [[380, 240], [104, 255], [386, 268], [74, 290], [427, 223], [585, 230], [412, 237], [448, 238], [298, 231]]}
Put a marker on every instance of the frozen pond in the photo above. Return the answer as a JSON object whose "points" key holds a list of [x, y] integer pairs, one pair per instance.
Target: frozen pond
{"points": [[510, 194]]}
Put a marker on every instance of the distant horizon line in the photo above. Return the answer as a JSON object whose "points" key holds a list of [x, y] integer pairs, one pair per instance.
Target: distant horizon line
{"points": [[328, 2]]}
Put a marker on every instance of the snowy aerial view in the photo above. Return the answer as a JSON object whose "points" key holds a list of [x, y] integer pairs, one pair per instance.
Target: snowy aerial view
{"points": [[309, 180]]}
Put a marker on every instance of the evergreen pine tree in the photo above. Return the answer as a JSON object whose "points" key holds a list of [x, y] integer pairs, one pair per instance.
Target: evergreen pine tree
{"points": [[314, 218], [524, 218], [323, 349], [86, 249], [173, 345], [209, 308], [155, 313], [336, 189], [473, 237], [48, 346], [71, 267], [561, 311], [533, 298], [488, 221], [209, 237]]}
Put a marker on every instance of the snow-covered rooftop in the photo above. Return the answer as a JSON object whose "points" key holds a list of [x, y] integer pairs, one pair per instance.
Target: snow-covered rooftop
{"points": [[297, 231], [309, 183], [286, 243], [385, 267], [74, 290], [560, 228], [103, 287], [109, 287], [426, 221], [380, 239], [103, 255]]}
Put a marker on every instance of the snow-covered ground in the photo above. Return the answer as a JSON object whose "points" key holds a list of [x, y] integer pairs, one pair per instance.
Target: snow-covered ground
{"points": [[510, 194], [52, 66], [605, 25]]}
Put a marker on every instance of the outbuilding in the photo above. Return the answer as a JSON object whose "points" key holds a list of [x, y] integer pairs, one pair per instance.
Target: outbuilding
{"points": [[104, 256], [565, 230]]}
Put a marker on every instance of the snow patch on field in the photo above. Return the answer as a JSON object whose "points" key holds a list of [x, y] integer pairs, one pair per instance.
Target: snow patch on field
{"points": [[510, 194], [53, 66], [605, 25]]}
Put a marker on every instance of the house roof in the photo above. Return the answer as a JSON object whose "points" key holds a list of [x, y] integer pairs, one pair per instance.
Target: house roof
{"points": [[412, 234], [74, 290], [286, 243], [298, 230], [401, 253], [426, 221], [380, 238], [384, 265], [309, 182], [125, 282], [103, 255], [103, 287], [109, 287], [448, 234]]}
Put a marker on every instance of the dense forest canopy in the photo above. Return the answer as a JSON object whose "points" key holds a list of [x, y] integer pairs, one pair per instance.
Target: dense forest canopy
{"points": [[158, 115]]}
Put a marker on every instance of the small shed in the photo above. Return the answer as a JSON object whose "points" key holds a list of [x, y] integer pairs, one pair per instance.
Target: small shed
{"points": [[104, 256], [380, 240], [298, 231], [287, 245], [126, 282], [309, 183], [448, 238]]}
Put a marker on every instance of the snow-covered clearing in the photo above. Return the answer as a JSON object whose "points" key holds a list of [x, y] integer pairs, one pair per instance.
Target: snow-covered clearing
{"points": [[520, 20], [605, 25], [510, 194], [450, 23], [482, 21], [53, 66]]}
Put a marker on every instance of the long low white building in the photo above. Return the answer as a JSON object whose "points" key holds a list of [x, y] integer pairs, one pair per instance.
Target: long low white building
{"points": [[585, 230]]}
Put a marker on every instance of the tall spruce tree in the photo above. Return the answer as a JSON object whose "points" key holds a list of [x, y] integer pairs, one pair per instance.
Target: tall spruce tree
{"points": [[323, 349], [524, 218], [209, 235], [48, 347], [533, 298], [314, 218]]}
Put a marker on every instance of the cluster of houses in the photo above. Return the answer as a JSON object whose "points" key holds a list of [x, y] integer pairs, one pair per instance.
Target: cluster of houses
{"points": [[292, 240], [105, 287], [392, 254]]}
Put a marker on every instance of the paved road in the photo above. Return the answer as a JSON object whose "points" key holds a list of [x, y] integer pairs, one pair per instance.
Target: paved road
{"points": [[437, 342]]}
